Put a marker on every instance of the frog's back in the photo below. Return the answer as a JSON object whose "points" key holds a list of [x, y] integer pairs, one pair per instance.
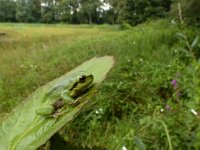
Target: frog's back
{"points": [[65, 84], [59, 87]]}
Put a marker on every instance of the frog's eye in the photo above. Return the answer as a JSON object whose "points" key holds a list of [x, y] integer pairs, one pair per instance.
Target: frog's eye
{"points": [[82, 78]]}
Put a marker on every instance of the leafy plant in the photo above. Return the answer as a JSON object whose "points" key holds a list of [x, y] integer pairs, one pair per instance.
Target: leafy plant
{"points": [[153, 83], [29, 130]]}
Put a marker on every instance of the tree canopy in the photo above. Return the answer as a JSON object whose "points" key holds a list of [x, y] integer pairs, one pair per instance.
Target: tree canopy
{"points": [[91, 11]]}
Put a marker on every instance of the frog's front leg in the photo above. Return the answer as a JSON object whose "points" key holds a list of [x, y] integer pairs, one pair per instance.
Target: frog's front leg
{"points": [[55, 109], [61, 104], [66, 97]]}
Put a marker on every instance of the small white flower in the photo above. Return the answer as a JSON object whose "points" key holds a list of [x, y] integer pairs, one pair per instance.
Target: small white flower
{"points": [[169, 66], [101, 110], [124, 148], [194, 112], [22, 66], [128, 60], [141, 59], [161, 110], [134, 42]]}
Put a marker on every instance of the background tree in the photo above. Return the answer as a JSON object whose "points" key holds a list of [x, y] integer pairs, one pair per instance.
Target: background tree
{"points": [[74, 7], [63, 11], [117, 10], [90, 10], [48, 11], [192, 12], [7, 10], [137, 11], [28, 10], [35, 6], [109, 16], [23, 12]]}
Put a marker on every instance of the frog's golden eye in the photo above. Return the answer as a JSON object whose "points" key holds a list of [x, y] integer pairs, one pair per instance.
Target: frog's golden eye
{"points": [[82, 78]]}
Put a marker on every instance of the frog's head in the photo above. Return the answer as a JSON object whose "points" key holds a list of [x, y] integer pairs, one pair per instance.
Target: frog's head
{"points": [[82, 84]]}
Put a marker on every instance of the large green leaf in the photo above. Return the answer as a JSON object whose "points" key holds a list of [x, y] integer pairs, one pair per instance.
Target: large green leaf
{"points": [[23, 129]]}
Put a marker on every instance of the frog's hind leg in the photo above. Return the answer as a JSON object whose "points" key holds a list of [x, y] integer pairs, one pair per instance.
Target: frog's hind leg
{"points": [[60, 112], [57, 114]]}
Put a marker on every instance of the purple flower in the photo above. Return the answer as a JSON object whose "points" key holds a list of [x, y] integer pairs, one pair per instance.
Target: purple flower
{"points": [[174, 83], [167, 107]]}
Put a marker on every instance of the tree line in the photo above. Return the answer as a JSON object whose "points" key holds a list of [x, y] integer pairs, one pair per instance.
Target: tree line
{"points": [[93, 11], [82, 11]]}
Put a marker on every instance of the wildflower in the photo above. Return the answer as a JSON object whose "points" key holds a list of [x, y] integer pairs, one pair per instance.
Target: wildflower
{"points": [[162, 110], [168, 66], [124, 148], [101, 110], [167, 107], [178, 93], [174, 83], [194, 112]]}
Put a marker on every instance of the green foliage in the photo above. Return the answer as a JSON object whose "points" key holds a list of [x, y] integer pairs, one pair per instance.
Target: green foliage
{"points": [[192, 70], [189, 11], [89, 10], [135, 12], [7, 10], [83, 11], [125, 26], [150, 100], [28, 11], [142, 101], [29, 131]]}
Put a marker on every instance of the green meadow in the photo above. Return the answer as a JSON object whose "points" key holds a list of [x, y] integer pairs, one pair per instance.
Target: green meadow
{"points": [[149, 100]]}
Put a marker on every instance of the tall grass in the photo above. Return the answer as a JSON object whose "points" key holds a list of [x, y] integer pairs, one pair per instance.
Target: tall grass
{"points": [[33, 55], [138, 107]]}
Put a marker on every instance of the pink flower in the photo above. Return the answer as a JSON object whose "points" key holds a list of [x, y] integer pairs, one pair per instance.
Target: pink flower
{"points": [[174, 83], [167, 107]]}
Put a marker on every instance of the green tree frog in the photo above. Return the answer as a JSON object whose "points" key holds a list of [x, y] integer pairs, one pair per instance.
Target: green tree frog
{"points": [[65, 94]]}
